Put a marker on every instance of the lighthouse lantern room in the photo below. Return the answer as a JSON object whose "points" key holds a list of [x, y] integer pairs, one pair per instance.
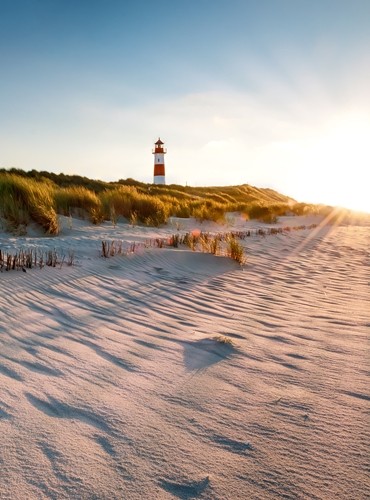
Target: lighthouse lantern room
{"points": [[159, 152]]}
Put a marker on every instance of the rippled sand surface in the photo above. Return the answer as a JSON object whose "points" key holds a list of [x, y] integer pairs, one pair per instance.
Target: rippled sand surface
{"points": [[174, 374]]}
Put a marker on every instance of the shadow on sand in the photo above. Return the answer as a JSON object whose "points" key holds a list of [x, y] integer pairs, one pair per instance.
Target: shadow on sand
{"points": [[203, 353], [186, 490]]}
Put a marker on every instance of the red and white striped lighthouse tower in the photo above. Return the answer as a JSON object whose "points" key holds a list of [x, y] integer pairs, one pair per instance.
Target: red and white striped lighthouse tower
{"points": [[159, 152]]}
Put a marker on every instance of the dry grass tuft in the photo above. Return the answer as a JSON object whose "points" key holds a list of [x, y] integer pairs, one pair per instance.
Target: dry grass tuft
{"points": [[235, 250], [24, 259], [221, 339]]}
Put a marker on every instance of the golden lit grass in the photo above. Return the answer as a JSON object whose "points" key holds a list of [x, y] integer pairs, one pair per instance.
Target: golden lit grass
{"points": [[210, 210], [212, 203], [222, 339], [25, 197], [79, 198], [127, 202], [266, 212], [235, 250], [22, 200]]}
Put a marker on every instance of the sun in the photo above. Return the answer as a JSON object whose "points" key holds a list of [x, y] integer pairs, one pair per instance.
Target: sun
{"points": [[337, 162]]}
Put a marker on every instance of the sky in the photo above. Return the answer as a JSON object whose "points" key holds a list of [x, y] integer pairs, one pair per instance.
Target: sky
{"points": [[272, 93]]}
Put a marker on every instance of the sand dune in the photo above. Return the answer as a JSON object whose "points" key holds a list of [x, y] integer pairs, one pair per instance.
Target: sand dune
{"points": [[116, 380]]}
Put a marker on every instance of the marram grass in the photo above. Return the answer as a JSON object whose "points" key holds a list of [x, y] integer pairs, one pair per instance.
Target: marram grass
{"points": [[79, 200], [23, 200], [26, 197], [128, 202]]}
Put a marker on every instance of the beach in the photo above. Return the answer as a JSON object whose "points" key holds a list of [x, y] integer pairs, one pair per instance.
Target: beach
{"points": [[164, 373]]}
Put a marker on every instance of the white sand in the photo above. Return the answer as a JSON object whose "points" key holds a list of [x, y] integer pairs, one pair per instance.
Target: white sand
{"points": [[113, 387]]}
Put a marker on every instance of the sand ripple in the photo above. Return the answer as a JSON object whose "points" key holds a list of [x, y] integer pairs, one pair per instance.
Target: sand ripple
{"points": [[115, 382]]}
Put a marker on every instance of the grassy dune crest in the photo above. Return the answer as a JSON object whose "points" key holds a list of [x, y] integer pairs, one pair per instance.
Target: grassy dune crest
{"points": [[40, 196]]}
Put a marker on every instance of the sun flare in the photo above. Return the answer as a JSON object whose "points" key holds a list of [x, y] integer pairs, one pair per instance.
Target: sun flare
{"points": [[338, 161]]}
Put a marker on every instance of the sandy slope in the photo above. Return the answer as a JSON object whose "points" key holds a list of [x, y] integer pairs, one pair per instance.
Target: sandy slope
{"points": [[112, 384]]}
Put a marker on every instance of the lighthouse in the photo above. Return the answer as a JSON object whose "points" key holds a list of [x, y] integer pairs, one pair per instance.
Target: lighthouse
{"points": [[159, 152]]}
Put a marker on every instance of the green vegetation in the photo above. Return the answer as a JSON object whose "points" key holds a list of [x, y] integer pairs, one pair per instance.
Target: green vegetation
{"points": [[41, 196]]}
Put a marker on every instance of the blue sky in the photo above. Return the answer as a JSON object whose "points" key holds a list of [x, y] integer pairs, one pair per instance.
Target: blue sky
{"points": [[273, 93]]}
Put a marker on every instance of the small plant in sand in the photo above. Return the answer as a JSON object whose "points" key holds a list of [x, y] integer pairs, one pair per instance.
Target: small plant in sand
{"points": [[96, 215], [24, 259], [235, 250], [191, 241], [51, 258], [221, 339], [205, 240], [215, 245], [71, 257], [111, 248], [105, 249], [175, 240]]}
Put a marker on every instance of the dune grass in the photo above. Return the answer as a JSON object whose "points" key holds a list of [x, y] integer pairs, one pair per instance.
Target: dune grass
{"points": [[23, 200], [128, 202], [40, 196], [235, 250], [23, 259], [79, 200]]}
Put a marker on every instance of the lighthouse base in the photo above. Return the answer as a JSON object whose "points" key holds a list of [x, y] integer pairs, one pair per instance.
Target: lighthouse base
{"points": [[159, 179]]}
